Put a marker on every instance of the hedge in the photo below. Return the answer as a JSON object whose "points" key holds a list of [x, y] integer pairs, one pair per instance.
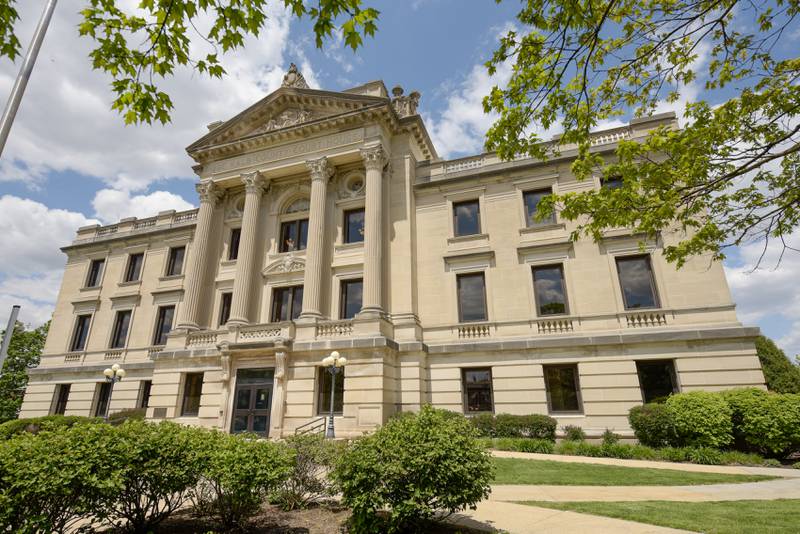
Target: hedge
{"points": [[37, 424], [505, 425]]}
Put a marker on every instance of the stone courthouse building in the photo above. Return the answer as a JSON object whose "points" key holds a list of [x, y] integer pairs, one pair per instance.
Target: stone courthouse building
{"points": [[328, 222]]}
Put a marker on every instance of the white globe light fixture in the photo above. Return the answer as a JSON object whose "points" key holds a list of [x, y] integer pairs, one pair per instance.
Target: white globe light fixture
{"points": [[334, 364], [113, 374]]}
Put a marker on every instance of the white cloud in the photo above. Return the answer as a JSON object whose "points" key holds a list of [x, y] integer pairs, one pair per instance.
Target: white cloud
{"points": [[111, 205]]}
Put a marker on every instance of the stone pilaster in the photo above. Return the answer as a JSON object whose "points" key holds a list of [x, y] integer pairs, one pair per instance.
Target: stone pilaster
{"points": [[321, 172], [279, 394], [374, 160], [245, 264], [198, 262]]}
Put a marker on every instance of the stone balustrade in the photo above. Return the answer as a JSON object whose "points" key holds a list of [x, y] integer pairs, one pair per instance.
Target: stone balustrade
{"points": [[329, 329]]}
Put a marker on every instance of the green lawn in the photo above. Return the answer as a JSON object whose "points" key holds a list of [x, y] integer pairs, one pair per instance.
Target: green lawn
{"points": [[547, 472], [722, 517]]}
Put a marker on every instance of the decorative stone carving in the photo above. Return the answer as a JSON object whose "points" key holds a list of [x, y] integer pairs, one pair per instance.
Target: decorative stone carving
{"points": [[374, 157], [320, 169], [352, 186], [287, 264], [235, 207], [280, 365], [288, 117], [404, 106], [254, 182], [293, 78], [209, 192], [225, 360]]}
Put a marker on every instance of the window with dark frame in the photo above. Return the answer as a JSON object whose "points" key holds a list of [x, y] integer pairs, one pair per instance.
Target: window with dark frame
{"points": [[477, 386], [467, 218], [119, 335], [637, 282], [133, 272], [563, 388], [103, 397], [287, 303], [81, 333], [294, 235], [354, 226], [324, 381], [233, 246], [61, 398], [550, 290], [657, 379], [531, 200], [95, 273], [225, 308], [471, 289], [350, 298], [192, 391], [166, 314], [175, 261], [144, 393]]}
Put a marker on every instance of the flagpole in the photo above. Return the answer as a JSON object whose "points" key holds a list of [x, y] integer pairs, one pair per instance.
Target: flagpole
{"points": [[12, 322], [24, 74]]}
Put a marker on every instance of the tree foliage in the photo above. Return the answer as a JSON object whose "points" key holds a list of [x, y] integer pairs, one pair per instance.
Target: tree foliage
{"points": [[23, 353], [781, 375], [139, 46], [727, 178]]}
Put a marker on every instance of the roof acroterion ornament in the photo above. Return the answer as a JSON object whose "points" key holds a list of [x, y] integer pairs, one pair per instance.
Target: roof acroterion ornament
{"points": [[293, 78]]}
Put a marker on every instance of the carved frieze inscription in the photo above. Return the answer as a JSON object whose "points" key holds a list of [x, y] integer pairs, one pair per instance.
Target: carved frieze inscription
{"points": [[286, 151]]}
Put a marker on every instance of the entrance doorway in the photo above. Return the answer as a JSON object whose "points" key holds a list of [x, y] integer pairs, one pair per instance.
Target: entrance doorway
{"points": [[252, 401]]}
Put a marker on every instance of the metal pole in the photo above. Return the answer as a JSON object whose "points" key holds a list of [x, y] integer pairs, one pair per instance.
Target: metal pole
{"points": [[12, 322], [329, 433], [24, 74]]}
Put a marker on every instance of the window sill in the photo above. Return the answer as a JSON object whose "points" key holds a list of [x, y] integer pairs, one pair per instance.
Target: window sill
{"points": [[573, 415], [347, 247], [170, 277], [467, 238], [545, 227], [90, 288], [130, 283], [278, 255], [227, 263]]}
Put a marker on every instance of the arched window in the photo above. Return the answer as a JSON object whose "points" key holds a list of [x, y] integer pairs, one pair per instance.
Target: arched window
{"points": [[301, 204]]}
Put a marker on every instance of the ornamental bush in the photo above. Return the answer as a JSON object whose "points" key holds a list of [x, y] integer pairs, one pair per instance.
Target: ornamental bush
{"points": [[484, 424], [574, 433], [767, 423], [308, 482], [701, 419], [413, 467], [536, 426], [652, 424], [543, 446], [37, 424]]}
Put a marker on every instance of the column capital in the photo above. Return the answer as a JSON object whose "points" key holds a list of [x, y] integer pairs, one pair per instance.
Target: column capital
{"points": [[321, 169], [209, 192], [254, 182], [374, 157]]}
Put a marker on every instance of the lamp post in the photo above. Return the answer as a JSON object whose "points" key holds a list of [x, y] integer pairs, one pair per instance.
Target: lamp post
{"points": [[334, 364], [113, 374]]}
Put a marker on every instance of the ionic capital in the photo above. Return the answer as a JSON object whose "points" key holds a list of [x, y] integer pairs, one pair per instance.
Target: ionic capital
{"points": [[254, 183], [374, 157], [320, 169], [209, 192]]}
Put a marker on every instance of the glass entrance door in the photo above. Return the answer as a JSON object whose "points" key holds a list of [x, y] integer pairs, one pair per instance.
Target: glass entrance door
{"points": [[252, 401]]}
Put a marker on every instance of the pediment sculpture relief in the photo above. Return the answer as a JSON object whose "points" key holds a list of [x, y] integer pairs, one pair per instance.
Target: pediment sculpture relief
{"points": [[288, 117]]}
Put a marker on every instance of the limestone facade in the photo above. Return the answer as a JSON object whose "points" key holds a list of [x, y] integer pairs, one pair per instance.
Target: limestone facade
{"points": [[327, 221]]}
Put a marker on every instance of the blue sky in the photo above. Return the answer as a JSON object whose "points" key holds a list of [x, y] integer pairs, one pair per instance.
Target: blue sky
{"points": [[70, 160]]}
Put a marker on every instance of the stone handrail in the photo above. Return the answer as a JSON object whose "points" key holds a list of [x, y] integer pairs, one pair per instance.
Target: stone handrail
{"points": [[335, 328], [554, 326], [468, 331]]}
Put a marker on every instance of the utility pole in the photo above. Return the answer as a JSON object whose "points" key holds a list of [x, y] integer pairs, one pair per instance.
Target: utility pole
{"points": [[24, 74], [12, 322]]}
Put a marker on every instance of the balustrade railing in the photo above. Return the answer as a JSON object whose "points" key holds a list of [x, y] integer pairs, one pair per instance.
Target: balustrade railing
{"points": [[335, 328], [554, 326]]}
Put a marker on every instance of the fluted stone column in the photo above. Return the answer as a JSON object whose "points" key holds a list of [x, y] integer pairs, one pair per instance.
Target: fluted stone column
{"points": [[245, 264], [197, 264], [374, 159], [321, 171]]}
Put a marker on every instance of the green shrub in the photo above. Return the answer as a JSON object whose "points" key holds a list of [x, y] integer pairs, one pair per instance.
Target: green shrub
{"points": [[543, 446], [484, 424], [609, 437], [704, 455], [652, 424], [673, 454], [617, 450], [238, 474], [315, 456], [117, 418], [768, 423], [37, 424], [643, 452], [568, 448], [796, 465], [51, 480], [741, 458], [415, 467], [701, 419], [574, 433], [536, 426], [771, 462]]}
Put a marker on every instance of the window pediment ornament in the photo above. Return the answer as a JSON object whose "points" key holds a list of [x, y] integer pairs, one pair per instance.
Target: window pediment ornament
{"points": [[287, 264]]}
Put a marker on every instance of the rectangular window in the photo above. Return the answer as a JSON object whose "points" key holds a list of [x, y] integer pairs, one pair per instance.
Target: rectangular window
{"points": [[657, 379], [466, 218], [144, 393], [60, 399], [192, 390], [225, 308], [122, 323], [133, 272], [95, 273], [471, 297], [637, 282], [175, 261], [233, 246], [550, 290], [81, 333], [477, 385], [350, 298], [324, 387], [563, 389], [103, 394], [163, 324], [612, 182], [294, 235], [287, 303], [531, 200], [354, 226]]}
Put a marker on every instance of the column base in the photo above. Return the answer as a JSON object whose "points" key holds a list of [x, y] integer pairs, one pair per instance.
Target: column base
{"points": [[189, 327], [372, 312], [236, 322]]}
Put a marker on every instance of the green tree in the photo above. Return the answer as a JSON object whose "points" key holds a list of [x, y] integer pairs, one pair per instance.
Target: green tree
{"points": [[23, 353], [729, 177], [138, 46], [781, 375]]}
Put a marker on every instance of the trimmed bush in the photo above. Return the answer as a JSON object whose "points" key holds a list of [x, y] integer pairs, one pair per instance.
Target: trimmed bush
{"points": [[574, 433], [652, 424], [767, 423], [238, 475], [413, 467], [484, 424], [610, 438], [117, 418], [536, 426], [701, 419], [37, 424], [308, 482]]}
